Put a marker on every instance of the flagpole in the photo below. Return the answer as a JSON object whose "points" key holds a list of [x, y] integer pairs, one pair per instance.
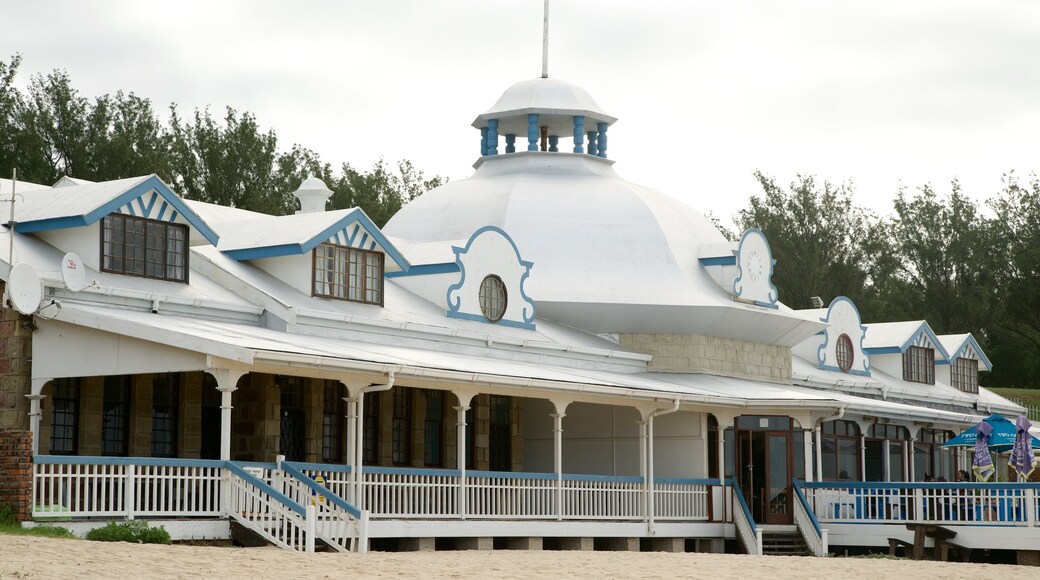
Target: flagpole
{"points": [[545, 42]]}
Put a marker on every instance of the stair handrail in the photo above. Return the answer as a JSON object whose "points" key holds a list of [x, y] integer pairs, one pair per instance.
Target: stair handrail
{"points": [[346, 513], [298, 532], [748, 532], [815, 536]]}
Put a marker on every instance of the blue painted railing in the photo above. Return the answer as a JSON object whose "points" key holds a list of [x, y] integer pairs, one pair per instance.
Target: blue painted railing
{"points": [[743, 504], [800, 495], [292, 469], [276, 495], [147, 461]]}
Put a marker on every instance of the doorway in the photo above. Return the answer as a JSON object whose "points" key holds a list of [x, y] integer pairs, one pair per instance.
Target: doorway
{"points": [[764, 464]]}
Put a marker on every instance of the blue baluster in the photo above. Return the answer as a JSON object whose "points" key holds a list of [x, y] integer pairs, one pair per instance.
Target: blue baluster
{"points": [[510, 143], [483, 141], [492, 148], [602, 140], [592, 142], [579, 133], [532, 132], [554, 140]]}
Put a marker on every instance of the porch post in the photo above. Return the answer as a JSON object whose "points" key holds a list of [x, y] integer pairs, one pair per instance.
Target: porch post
{"points": [[650, 471], [460, 449], [352, 431], [862, 456], [908, 457], [227, 383], [819, 452], [35, 412], [807, 453], [557, 459], [359, 451], [642, 466]]}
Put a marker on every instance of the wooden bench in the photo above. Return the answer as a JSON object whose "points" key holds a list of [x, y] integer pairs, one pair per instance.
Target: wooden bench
{"points": [[941, 535], [943, 550], [895, 543]]}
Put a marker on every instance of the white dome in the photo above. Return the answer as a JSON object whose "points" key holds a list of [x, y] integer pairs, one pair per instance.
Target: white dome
{"points": [[546, 97]]}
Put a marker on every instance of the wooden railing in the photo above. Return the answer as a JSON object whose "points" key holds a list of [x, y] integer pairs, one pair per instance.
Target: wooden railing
{"points": [[974, 504], [338, 523], [747, 531], [804, 518], [268, 512], [125, 487]]}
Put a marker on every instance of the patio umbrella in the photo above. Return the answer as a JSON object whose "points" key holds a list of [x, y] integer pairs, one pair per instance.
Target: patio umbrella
{"points": [[981, 462], [1001, 438], [1022, 458]]}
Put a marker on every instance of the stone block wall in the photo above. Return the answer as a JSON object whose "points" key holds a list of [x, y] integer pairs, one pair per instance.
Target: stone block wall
{"points": [[15, 368], [692, 353], [255, 419], [16, 471]]}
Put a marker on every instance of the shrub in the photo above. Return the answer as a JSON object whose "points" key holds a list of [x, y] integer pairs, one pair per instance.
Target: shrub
{"points": [[7, 515], [135, 532]]}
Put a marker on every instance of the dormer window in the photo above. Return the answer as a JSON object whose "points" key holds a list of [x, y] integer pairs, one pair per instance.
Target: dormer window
{"points": [[347, 273], [919, 365], [964, 373], [142, 247], [843, 353], [492, 298]]}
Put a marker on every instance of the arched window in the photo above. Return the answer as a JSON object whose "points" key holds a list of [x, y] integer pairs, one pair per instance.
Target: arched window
{"points": [[843, 352], [493, 298]]}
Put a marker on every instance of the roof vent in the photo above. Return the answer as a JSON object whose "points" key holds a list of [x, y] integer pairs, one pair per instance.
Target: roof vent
{"points": [[817, 302], [313, 195]]}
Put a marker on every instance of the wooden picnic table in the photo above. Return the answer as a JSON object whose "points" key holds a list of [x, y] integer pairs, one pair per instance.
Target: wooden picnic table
{"points": [[941, 535]]}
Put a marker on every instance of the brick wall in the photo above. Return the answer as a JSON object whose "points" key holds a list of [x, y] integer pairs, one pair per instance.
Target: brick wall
{"points": [[691, 353], [16, 470]]}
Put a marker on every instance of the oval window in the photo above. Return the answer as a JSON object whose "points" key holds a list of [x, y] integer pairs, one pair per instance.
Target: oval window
{"points": [[492, 298], [844, 353]]}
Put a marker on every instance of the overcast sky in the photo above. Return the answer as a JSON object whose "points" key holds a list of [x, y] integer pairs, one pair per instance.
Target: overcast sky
{"points": [[879, 93]]}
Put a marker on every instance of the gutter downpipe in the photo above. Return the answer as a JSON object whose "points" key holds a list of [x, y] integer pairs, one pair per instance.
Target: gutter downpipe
{"points": [[819, 448], [650, 462], [359, 436]]}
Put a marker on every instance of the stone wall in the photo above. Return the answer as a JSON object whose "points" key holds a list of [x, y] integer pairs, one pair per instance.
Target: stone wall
{"points": [[255, 419], [16, 471], [691, 353], [15, 349]]}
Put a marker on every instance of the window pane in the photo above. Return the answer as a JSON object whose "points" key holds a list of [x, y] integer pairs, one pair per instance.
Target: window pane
{"points": [[348, 274]]}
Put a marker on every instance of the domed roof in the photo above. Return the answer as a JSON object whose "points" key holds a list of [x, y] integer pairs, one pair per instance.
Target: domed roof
{"points": [[544, 96], [609, 255]]}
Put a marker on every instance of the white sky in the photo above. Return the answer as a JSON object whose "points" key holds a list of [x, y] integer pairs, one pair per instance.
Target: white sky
{"points": [[880, 93]]}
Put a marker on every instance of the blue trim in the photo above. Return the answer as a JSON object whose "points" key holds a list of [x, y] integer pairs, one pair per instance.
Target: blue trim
{"points": [[855, 372], [357, 214], [805, 505], [719, 261], [931, 336], [827, 339], [274, 493], [613, 478], [882, 350], [411, 471], [970, 341], [602, 141], [512, 475], [579, 133], [492, 140], [146, 461], [532, 131], [483, 141], [684, 481], [743, 504], [426, 270], [321, 490], [454, 305], [333, 467], [879, 485], [773, 293]]}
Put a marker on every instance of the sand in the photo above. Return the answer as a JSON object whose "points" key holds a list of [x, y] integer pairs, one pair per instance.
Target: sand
{"points": [[29, 557]]}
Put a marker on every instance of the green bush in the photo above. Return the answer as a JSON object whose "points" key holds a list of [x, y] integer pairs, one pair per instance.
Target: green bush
{"points": [[135, 532], [7, 515]]}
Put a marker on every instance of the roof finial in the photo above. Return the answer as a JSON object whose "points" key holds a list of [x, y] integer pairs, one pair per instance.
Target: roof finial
{"points": [[545, 42]]}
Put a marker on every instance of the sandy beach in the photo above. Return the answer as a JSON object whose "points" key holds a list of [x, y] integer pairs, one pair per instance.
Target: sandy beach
{"points": [[28, 557]]}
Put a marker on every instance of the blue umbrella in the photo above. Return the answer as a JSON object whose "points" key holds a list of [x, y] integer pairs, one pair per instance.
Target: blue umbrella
{"points": [[1001, 439], [1022, 458]]}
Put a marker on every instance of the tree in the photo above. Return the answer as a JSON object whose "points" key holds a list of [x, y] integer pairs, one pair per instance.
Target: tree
{"points": [[380, 191], [946, 258], [815, 234]]}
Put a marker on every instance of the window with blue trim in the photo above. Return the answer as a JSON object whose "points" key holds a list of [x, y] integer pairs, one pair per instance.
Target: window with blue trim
{"points": [[347, 273], [141, 247], [919, 365], [964, 374]]}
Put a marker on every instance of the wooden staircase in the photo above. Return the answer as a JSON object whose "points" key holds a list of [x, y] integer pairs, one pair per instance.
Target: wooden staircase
{"points": [[784, 543]]}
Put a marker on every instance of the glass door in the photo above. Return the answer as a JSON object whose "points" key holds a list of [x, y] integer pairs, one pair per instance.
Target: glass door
{"points": [[777, 504]]}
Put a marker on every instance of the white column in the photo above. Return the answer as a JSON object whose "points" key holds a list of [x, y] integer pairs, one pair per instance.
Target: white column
{"points": [[359, 451], [908, 456], [558, 460], [460, 450], [886, 461], [642, 466], [819, 453], [863, 457], [650, 470], [807, 453], [352, 434], [35, 414], [227, 383]]}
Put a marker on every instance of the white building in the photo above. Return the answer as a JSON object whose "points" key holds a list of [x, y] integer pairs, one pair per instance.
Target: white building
{"points": [[542, 350]]}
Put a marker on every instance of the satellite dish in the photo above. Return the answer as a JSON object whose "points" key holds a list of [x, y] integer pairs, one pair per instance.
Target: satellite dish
{"points": [[73, 272], [25, 288]]}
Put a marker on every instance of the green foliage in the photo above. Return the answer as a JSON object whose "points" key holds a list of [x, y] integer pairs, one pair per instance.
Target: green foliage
{"points": [[134, 531], [7, 516], [53, 130], [10, 526]]}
